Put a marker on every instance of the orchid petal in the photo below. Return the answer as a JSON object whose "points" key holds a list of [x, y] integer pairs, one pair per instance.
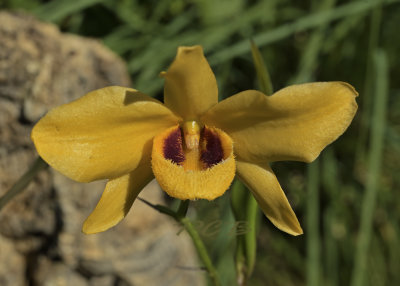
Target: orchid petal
{"points": [[105, 134], [295, 123], [190, 85], [264, 185], [117, 199]]}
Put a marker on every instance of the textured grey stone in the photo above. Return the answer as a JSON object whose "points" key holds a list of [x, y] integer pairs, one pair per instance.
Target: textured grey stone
{"points": [[12, 264], [49, 273]]}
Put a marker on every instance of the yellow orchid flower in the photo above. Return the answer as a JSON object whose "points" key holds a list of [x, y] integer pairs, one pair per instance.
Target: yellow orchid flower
{"points": [[191, 144]]}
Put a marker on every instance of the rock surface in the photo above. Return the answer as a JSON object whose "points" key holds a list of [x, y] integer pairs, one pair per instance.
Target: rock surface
{"points": [[40, 231]]}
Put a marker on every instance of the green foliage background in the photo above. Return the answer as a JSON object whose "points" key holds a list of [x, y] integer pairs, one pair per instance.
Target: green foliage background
{"points": [[348, 197]]}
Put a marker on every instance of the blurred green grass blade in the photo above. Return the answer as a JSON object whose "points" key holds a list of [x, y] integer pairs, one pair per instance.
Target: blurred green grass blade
{"points": [[58, 9], [222, 246], [374, 168], [122, 40], [341, 31], [331, 249], [132, 14], [238, 197], [312, 230], [366, 107], [393, 137], [178, 24], [252, 217], [394, 248], [309, 57], [304, 23], [23, 181], [263, 76], [330, 182], [288, 251], [159, 52], [245, 210], [377, 263], [26, 5], [330, 173]]}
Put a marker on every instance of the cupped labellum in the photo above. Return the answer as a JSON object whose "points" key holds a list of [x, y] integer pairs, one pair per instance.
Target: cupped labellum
{"points": [[205, 172]]}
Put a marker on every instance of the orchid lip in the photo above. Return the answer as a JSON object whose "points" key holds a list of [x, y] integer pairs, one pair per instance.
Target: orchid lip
{"points": [[202, 149], [202, 172]]}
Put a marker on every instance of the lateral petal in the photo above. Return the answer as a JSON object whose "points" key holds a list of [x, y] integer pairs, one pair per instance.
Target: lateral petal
{"points": [[117, 199], [190, 86], [105, 134], [264, 185], [295, 123]]}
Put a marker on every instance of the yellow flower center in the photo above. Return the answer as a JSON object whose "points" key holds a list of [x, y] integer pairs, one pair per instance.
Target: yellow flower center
{"points": [[193, 161]]}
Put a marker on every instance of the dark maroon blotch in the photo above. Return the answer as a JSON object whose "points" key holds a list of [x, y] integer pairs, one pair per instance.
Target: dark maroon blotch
{"points": [[173, 147], [213, 152]]}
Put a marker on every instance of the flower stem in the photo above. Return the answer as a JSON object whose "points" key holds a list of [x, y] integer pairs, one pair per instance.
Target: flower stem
{"points": [[201, 250], [183, 207], [23, 182]]}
